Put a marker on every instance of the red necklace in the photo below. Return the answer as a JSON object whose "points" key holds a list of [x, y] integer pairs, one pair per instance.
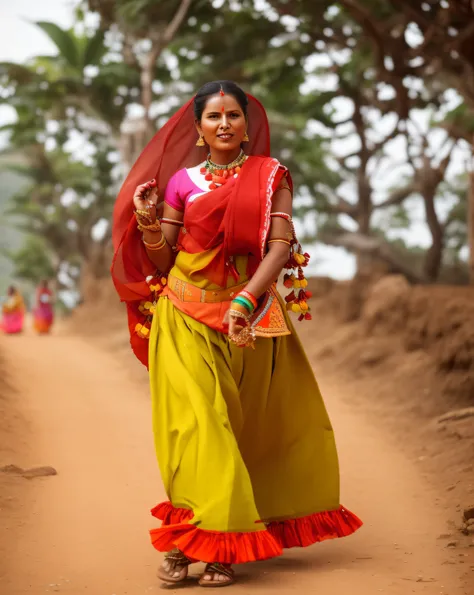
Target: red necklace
{"points": [[219, 174]]}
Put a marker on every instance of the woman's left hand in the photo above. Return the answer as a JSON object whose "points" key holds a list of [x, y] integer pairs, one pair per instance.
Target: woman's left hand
{"points": [[235, 324]]}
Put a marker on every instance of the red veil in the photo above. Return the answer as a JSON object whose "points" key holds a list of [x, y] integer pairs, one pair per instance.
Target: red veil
{"points": [[171, 149]]}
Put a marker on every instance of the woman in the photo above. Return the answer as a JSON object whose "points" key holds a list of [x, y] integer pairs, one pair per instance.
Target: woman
{"points": [[13, 310], [243, 440], [43, 313]]}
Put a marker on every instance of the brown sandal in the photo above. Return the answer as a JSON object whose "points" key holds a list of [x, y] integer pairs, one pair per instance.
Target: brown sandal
{"points": [[178, 563], [215, 569]]}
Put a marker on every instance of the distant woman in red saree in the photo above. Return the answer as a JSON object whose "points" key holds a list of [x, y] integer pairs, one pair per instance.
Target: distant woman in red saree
{"points": [[43, 315], [244, 443]]}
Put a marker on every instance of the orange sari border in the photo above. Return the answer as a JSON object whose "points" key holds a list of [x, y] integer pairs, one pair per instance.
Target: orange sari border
{"points": [[236, 548], [169, 515], [216, 546], [316, 527]]}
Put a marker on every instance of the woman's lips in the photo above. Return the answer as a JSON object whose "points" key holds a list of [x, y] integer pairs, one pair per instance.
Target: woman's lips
{"points": [[225, 136]]}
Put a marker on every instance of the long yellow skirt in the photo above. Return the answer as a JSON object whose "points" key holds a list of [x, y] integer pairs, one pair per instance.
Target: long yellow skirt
{"points": [[244, 444]]}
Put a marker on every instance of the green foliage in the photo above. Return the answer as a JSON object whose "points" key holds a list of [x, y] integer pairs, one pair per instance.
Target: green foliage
{"points": [[358, 53], [65, 42], [33, 261]]}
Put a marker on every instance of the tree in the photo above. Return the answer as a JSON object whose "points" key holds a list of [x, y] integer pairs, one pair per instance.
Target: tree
{"points": [[308, 61], [145, 30], [33, 261], [56, 97], [441, 52]]}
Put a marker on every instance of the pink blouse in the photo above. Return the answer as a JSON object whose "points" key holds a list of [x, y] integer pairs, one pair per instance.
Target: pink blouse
{"points": [[184, 187]]}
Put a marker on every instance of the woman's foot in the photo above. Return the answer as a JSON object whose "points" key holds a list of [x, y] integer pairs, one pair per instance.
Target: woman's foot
{"points": [[174, 568], [217, 575]]}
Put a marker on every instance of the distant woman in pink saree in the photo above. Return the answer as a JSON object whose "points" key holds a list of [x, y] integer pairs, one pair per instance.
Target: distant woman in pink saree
{"points": [[13, 312]]}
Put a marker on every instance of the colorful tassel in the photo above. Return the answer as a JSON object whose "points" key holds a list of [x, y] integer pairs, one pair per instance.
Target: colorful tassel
{"points": [[296, 300], [147, 307], [142, 331]]}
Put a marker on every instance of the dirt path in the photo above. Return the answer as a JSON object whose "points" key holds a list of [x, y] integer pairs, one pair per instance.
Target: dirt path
{"points": [[84, 531]]}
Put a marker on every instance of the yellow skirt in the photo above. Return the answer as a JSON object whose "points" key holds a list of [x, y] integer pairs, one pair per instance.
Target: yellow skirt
{"points": [[244, 444]]}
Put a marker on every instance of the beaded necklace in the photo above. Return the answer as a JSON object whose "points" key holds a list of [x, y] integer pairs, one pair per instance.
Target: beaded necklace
{"points": [[219, 174]]}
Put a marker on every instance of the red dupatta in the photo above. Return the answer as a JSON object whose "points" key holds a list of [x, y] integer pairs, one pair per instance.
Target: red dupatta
{"points": [[235, 217], [171, 149]]}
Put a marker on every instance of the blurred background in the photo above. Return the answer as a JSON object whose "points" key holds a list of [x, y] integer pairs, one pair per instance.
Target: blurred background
{"points": [[371, 105], [374, 121]]}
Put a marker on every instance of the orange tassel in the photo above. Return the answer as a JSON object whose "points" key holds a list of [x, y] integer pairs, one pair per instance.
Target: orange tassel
{"points": [[296, 301], [304, 306], [142, 331]]}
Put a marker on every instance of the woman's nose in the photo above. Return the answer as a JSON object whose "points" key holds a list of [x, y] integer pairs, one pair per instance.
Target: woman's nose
{"points": [[224, 121]]}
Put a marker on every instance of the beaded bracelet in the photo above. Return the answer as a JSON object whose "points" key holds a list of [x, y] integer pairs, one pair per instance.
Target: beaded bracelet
{"points": [[238, 314], [144, 214]]}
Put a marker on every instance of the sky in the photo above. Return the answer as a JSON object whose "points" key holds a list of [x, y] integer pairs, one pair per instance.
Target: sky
{"points": [[19, 39]]}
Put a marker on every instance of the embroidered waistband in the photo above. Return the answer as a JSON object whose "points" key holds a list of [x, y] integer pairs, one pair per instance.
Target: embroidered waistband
{"points": [[186, 292]]}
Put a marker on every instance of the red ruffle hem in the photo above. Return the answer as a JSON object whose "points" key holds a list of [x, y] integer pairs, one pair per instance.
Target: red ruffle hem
{"points": [[236, 548]]}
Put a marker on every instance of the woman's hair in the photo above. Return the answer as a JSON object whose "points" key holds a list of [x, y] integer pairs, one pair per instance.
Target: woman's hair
{"points": [[11, 290], [213, 88]]}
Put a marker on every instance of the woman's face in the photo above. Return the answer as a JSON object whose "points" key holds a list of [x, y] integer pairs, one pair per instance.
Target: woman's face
{"points": [[223, 123]]}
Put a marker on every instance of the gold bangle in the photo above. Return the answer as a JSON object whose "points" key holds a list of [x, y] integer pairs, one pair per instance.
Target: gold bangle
{"points": [[144, 214], [160, 241], [240, 308], [157, 245], [279, 240], [156, 249], [152, 227], [143, 218]]}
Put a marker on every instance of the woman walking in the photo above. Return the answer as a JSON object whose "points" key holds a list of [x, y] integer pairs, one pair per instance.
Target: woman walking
{"points": [[43, 315], [244, 444]]}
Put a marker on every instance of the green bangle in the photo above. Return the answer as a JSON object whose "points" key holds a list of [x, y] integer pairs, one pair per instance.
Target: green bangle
{"points": [[243, 301]]}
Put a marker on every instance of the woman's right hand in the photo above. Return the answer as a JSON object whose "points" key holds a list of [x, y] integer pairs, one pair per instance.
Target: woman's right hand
{"points": [[145, 199]]}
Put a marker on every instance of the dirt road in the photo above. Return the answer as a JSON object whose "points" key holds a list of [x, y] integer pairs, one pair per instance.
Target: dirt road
{"points": [[84, 531]]}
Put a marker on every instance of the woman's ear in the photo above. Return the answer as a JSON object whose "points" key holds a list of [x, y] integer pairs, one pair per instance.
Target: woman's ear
{"points": [[198, 127]]}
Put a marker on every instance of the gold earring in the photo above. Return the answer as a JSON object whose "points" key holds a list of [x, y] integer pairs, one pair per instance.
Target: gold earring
{"points": [[246, 138], [200, 141]]}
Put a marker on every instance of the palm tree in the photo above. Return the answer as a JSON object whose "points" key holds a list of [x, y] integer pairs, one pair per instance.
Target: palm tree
{"points": [[73, 83]]}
